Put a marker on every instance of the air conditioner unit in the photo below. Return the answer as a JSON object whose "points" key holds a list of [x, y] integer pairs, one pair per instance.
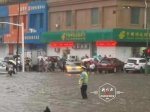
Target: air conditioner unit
{"points": [[57, 25], [57, 50]]}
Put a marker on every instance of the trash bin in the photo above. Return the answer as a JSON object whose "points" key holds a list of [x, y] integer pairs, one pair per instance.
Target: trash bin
{"points": [[147, 70]]}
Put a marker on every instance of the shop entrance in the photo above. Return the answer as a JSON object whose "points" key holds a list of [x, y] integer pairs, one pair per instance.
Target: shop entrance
{"points": [[137, 51], [94, 49]]}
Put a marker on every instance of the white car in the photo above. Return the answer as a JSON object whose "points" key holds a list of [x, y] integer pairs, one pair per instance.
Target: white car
{"points": [[135, 64]]}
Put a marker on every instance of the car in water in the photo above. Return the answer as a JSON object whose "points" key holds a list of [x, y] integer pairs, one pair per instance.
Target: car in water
{"points": [[135, 64], [73, 67], [110, 65]]}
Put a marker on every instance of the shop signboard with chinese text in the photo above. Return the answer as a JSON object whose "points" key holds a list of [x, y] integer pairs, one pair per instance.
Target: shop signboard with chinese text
{"points": [[38, 7], [32, 38], [131, 35], [77, 36]]}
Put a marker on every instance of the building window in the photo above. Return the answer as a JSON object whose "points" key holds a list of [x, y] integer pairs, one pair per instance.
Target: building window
{"points": [[34, 21], [41, 20], [94, 16], [24, 21], [135, 13], [3, 26], [69, 18], [15, 20]]}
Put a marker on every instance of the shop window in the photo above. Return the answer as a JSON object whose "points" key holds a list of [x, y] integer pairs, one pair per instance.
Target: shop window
{"points": [[94, 16], [69, 18], [86, 46], [35, 21], [3, 26], [41, 20], [15, 20], [78, 46], [135, 13]]}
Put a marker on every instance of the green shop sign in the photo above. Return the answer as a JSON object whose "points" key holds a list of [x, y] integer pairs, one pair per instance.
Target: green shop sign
{"points": [[130, 35], [77, 36], [119, 35]]}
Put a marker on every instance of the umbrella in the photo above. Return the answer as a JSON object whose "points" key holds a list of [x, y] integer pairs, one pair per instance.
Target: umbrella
{"points": [[96, 56], [83, 57], [39, 57], [87, 59], [12, 61]]}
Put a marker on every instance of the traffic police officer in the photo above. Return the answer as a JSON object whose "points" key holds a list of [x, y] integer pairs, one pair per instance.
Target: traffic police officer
{"points": [[83, 81]]}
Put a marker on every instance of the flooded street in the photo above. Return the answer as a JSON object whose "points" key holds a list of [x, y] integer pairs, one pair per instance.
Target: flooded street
{"points": [[32, 92]]}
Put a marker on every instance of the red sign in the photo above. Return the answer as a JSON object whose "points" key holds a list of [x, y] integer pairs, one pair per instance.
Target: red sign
{"points": [[106, 43], [61, 44]]}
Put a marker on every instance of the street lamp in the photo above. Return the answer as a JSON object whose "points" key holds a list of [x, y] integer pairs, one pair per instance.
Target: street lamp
{"points": [[145, 15], [22, 27], [146, 26]]}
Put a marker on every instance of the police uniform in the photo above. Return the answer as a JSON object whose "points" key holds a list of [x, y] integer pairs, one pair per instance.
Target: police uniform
{"points": [[83, 81]]}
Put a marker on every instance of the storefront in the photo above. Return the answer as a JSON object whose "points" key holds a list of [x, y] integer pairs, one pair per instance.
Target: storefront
{"points": [[115, 42], [37, 16], [4, 28]]}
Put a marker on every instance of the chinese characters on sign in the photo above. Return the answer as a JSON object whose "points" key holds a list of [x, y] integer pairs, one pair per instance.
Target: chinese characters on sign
{"points": [[22, 8], [106, 43], [36, 7], [73, 36], [133, 35], [32, 37], [61, 44]]}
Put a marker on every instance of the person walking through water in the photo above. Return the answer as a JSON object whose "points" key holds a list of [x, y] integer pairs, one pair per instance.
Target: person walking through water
{"points": [[83, 82], [42, 64]]}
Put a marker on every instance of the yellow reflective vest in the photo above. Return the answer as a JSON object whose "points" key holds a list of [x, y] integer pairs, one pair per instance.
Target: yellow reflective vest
{"points": [[86, 79]]}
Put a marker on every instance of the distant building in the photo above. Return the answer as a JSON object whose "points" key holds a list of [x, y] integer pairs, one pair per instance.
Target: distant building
{"points": [[11, 38], [111, 27], [37, 16]]}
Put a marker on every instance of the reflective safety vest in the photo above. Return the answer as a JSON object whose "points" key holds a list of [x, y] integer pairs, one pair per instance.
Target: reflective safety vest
{"points": [[85, 79]]}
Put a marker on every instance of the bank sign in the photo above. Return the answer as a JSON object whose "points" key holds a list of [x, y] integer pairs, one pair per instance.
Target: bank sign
{"points": [[130, 35]]}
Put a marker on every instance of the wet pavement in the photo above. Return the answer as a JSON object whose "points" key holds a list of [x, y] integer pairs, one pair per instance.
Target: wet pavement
{"points": [[32, 92]]}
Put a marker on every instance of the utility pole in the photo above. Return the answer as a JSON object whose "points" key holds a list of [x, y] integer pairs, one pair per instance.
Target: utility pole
{"points": [[18, 34], [147, 28]]}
